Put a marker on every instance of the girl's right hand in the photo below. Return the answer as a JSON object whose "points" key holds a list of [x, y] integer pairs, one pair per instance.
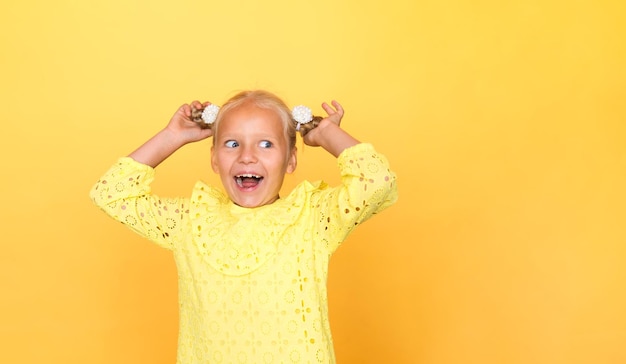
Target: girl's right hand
{"points": [[178, 132], [182, 126]]}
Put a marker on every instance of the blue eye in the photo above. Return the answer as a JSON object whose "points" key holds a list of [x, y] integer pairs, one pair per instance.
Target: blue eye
{"points": [[231, 144], [265, 144]]}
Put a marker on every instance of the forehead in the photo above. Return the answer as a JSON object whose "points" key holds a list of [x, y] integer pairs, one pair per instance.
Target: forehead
{"points": [[251, 118]]}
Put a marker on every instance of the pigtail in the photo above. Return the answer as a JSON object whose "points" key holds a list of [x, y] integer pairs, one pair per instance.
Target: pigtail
{"points": [[307, 127], [304, 119], [206, 116]]}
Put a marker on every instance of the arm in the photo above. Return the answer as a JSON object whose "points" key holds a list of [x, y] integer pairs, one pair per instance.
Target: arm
{"points": [[124, 193], [368, 186], [178, 132]]}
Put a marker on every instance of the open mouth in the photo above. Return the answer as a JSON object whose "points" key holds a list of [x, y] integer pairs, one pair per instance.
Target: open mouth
{"points": [[248, 180]]}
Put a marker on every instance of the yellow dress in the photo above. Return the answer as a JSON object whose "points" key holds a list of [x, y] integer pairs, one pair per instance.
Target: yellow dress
{"points": [[252, 281]]}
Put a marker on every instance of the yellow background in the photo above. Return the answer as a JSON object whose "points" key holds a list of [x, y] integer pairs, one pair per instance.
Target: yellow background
{"points": [[505, 122]]}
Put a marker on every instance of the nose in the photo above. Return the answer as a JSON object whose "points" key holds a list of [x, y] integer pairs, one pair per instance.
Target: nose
{"points": [[247, 154]]}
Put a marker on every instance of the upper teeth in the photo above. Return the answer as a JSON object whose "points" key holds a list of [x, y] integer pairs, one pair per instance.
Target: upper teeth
{"points": [[248, 175]]}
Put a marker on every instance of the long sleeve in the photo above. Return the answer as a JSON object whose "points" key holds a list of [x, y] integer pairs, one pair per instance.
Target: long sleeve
{"points": [[368, 186], [123, 193]]}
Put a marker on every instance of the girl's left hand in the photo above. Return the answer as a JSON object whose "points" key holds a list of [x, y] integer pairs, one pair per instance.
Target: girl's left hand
{"points": [[316, 136]]}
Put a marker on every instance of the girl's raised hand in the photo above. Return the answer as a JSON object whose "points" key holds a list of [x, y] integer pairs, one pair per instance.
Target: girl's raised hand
{"points": [[182, 126], [334, 114], [328, 135], [315, 137], [179, 131]]}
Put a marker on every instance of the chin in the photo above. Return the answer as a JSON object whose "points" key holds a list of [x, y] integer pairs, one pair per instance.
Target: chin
{"points": [[247, 205], [252, 203]]}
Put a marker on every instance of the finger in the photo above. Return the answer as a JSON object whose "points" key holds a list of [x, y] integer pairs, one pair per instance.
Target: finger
{"points": [[338, 107], [329, 109], [205, 133], [196, 104], [186, 110]]}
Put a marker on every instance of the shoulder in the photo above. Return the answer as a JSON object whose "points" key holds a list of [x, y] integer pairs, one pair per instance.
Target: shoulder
{"points": [[203, 194], [360, 156]]}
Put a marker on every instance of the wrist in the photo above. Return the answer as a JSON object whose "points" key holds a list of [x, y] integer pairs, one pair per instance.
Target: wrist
{"points": [[334, 139], [171, 139]]}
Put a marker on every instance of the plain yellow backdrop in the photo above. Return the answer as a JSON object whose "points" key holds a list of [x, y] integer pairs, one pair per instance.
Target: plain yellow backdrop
{"points": [[505, 122]]}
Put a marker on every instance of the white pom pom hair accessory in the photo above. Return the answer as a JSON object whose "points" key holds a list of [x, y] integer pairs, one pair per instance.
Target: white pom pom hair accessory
{"points": [[302, 115], [209, 114]]}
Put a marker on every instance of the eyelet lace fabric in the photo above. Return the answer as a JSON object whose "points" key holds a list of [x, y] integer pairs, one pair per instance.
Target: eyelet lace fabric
{"points": [[252, 282], [229, 237]]}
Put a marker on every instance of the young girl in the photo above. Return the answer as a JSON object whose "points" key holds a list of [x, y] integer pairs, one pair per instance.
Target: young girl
{"points": [[252, 265]]}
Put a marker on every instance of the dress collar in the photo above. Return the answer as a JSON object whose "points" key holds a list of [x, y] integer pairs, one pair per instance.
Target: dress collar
{"points": [[236, 240]]}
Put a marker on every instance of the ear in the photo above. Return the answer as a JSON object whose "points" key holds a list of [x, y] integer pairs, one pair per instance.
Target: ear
{"points": [[292, 161], [214, 160]]}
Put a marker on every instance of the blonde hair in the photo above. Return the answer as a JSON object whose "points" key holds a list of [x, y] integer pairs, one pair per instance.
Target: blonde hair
{"points": [[266, 100]]}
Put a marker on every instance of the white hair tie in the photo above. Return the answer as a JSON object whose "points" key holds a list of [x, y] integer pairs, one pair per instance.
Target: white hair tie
{"points": [[302, 115], [209, 114]]}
